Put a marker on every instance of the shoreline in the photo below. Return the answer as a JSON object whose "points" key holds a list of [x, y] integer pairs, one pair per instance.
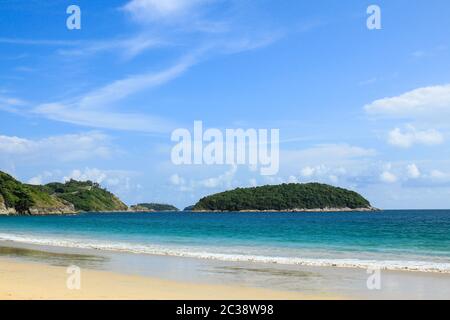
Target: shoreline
{"points": [[25, 281], [140, 276], [384, 265], [122, 276], [325, 210], [11, 214]]}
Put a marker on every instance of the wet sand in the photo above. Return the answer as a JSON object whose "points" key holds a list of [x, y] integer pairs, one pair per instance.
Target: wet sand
{"points": [[39, 272]]}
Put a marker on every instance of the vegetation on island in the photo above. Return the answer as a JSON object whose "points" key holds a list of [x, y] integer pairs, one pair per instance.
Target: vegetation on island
{"points": [[285, 197], [69, 197], [75, 196], [21, 198], [153, 207], [86, 196], [14, 194]]}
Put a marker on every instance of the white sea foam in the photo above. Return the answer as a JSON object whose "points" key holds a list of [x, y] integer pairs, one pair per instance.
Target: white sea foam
{"points": [[422, 266]]}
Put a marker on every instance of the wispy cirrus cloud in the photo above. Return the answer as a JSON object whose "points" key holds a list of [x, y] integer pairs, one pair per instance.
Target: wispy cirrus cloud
{"points": [[122, 88], [11, 101], [129, 48], [11, 104], [39, 42], [99, 107], [104, 119], [96, 108], [146, 11]]}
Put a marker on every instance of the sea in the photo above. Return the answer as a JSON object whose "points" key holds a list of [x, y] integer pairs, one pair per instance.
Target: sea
{"points": [[405, 240]]}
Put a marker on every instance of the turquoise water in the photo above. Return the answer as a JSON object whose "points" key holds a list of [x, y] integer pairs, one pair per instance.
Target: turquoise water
{"points": [[411, 240]]}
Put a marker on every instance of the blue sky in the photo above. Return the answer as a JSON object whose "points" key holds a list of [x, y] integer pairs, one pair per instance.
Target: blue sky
{"points": [[363, 109]]}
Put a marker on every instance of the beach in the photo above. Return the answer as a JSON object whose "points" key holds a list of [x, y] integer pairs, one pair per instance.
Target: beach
{"points": [[37, 281], [32, 272], [228, 256]]}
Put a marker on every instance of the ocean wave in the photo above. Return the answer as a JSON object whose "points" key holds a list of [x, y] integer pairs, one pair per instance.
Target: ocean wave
{"points": [[395, 265]]}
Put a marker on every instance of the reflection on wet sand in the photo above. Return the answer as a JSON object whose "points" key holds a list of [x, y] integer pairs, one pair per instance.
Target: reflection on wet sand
{"points": [[271, 271], [55, 259]]}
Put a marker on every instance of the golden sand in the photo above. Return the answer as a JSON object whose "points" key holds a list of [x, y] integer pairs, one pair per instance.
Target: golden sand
{"points": [[39, 281]]}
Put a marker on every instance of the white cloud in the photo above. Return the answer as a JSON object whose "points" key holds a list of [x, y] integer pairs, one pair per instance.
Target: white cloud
{"points": [[94, 175], [411, 136], [308, 171], [328, 163], [117, 180], [150, 10], [333, 178], [70, 147], [35, 180], [176, 180], [292, 179], [439, 176], [388, 177], [253, 182], [413, 171], [322, 173], [224, 180], [327, 154], [433, 178], [427, 102], [41, 178]]}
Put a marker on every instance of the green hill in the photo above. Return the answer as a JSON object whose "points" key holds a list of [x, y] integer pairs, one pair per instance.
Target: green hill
{"points": [[55, 198], [86, 196], [16, 197], [142, 207], [285, 197]]}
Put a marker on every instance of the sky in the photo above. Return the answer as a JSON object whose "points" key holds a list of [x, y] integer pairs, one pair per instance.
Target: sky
{"points": [[363, 109]]}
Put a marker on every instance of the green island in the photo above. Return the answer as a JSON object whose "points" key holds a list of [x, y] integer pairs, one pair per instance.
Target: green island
{"points": [[292, 197], [150, 207], [85, 196], [55, 198], [64, 198], [76, 196]]}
